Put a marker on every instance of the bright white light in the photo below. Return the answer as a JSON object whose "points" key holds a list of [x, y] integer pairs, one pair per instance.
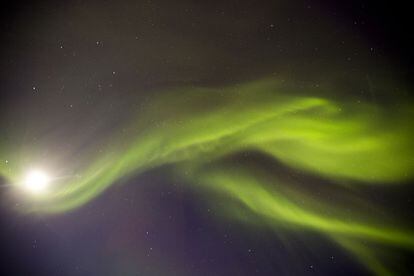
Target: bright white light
{"points": [[36, 181]]}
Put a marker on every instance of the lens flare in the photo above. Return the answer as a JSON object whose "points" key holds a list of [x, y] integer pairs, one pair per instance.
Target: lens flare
{"points": [[36, 181]]}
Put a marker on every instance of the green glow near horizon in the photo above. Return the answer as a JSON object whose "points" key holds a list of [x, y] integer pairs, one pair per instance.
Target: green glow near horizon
{"points": [[352, 142]]}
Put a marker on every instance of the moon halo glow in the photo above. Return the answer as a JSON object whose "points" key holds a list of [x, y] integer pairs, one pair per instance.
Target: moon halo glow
{"points": [[36, 181]]}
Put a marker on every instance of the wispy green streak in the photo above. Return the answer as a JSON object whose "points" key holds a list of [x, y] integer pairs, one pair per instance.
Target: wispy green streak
{"points": [[339, 141]]}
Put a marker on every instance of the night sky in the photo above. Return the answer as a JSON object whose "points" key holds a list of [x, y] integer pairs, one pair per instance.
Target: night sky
{"points": [[206, 138]]}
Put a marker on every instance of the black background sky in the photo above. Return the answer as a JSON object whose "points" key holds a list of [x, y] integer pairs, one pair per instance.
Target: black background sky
{"points": [[89, 63]]}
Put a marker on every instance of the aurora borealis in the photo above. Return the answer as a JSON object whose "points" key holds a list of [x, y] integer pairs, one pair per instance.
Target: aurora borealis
{"points": [[302, 157], [302, 132]]}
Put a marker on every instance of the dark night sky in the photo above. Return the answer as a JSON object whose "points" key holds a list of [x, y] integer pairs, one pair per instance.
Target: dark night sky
{"points": [[91, 63]]}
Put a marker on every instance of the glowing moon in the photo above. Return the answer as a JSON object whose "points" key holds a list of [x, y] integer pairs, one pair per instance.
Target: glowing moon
{"points": [[36, 181]]}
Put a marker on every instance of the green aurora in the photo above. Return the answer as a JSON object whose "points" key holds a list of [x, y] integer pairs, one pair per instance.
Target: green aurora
{"points": [[348, 145]]}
